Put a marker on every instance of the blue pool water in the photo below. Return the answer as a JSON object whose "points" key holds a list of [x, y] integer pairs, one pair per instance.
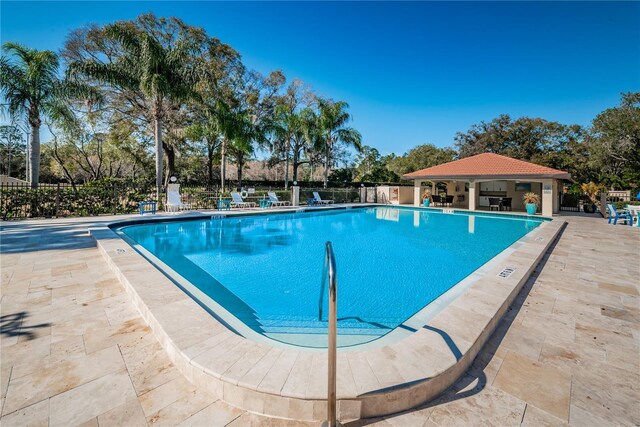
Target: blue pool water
{"points": [[267, 270]]}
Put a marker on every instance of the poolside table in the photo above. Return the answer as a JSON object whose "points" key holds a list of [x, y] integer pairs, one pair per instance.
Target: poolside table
{"points": [[634, 211], [147, 207], [224, 205], [265, 203]]}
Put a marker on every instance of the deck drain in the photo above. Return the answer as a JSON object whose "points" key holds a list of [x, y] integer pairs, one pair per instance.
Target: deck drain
{"points": [[217, 217], [120, 251], [506, 272], [539, 239]]}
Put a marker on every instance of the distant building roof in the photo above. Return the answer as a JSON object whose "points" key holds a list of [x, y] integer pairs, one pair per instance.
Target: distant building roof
{"points": [[487, 165], [4, 179]]}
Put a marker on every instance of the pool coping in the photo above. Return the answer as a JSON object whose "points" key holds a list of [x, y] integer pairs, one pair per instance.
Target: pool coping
{"points": [[291, 383]]}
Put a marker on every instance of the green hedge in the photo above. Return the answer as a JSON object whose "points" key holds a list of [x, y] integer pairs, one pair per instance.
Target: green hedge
{"points": [[104, 197], [109, 196]]}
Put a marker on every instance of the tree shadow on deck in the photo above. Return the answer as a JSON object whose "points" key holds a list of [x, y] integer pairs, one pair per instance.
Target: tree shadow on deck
{"points": [[38, 235], [475, 380], [12, 325]]}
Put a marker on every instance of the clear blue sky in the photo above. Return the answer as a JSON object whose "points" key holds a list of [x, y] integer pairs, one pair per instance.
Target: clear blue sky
{"points": [[412, 72]]}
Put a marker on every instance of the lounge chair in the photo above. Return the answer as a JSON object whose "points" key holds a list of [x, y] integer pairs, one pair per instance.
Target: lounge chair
{"points": [[437, 200], [174, 199], [615, 215], [236, 200], [275, 201], [319, 200]]}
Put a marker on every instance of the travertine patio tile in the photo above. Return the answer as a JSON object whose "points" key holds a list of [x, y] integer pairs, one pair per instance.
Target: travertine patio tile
{"points": [[297, 381], [149, 367], [603, 336], [58, 271], [489, 407], [246, 362], [608, 392], [627, 314], [413, 418], [256, 373], [36, 415], [164, 395], [248, 419], [538, 302], [622, 357], [25, 351], [275, 379], [386, 373], [128, 414], [462, 326], [544, 386], [486, 366], [60, 377], [534, 417], [557, 328], [580, 418], [628, 290], [521, 340], [216, 414], [62, 331], [363, 376], [89, 400], [5, 375], [117, 314], [126, 334], [571, 356], [181, 409], [93, 422]]}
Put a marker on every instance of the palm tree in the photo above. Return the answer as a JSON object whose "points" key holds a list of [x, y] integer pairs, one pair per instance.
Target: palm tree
{"points": [[332, 130], [282, 126], [31, 87], [162, 71]]}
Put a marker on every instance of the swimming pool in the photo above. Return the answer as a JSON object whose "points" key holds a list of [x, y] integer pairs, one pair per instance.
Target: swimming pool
{"points": [[266, 270]]}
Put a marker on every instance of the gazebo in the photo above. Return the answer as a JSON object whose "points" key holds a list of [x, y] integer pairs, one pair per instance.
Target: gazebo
{"points": [[473, 180]]}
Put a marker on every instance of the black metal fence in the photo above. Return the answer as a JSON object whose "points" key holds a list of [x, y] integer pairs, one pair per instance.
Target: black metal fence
{"points": [[19, 200], [116, 196]]}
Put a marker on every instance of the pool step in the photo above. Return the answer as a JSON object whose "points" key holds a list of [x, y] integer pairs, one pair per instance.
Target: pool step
{"points": [[279, 325]]}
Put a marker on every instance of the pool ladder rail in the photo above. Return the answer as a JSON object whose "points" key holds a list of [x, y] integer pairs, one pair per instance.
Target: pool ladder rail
{"points": [[330, 273]]}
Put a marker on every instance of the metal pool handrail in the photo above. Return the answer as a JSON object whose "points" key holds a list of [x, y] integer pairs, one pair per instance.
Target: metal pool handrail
{"points": [[330, 271]]}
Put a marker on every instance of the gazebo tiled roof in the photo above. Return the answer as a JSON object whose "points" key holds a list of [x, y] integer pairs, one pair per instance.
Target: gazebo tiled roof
{"points": [[488, 165]]}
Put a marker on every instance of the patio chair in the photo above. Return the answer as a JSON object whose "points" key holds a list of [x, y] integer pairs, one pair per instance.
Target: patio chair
{"points": [[449, 200], [174, 199], [494, 202], [505, 202], [275, 201], [437, 200], [615, 215], [319, 200], [236, 200]]}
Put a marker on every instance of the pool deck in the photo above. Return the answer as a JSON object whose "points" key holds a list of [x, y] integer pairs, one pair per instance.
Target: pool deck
{"points": [[76, 351]]}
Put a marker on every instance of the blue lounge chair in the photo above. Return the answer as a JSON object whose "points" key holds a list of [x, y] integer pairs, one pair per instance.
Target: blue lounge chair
{"points": [[615, 215]]}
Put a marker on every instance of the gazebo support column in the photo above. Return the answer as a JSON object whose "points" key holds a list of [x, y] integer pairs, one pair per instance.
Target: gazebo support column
{"points": [[472, 196], [417, 186], [547, 197]]}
